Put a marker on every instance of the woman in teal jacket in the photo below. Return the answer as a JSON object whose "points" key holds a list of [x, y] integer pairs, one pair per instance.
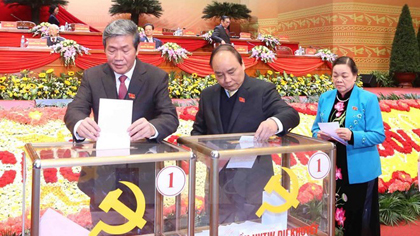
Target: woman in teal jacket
{"points": [[358, 163]]}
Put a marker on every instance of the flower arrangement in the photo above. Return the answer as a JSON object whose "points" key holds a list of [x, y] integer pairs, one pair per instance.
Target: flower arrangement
{"points": [[184, 85], [290, 85], [207, 36], [41, 29], [69, 50], [141, 32], [269, 40], [326, 55], [45, 85], [263, 53], [173, 52]]}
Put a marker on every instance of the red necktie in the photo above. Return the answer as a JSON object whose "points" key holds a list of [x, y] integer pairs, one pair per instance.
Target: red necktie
{"points": [[123, 90], [227, 31]]}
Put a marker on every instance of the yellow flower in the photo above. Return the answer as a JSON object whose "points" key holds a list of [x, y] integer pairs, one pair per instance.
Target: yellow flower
{"points": [[74, 88], [269, 72], [291, 75], [2, 79], [67, 82], [308, 75], [213, 76], [41, 75], [70, 73], [24, 79], [194, 75], [49, 71], [35, 115], [32, 86], [44, 80], [2, 88], [39, 93], [56, 91]]}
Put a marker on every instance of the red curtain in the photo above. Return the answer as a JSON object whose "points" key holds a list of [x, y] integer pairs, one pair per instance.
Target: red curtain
{"points": [[65, 16], [297, 66], [15, 61], [188, 44]]}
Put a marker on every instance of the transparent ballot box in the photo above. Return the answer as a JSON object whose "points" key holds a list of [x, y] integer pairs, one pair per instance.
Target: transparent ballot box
{"points": [[283, 186], [79, 190]]}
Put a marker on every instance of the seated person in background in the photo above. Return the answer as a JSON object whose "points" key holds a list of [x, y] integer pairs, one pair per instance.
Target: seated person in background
{"points": [[53, 37], [148, 30], [53, 17], [221, 32]]}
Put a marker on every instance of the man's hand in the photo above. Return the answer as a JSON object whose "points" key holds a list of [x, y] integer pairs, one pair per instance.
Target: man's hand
{"points": [[344, 133], [88, 129], [140, 129], [266, 129], [323, 136], [223, 42]]}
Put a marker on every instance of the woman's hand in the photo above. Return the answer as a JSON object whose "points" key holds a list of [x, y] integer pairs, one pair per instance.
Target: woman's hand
{"points": [[324, 136], [344, 133]]}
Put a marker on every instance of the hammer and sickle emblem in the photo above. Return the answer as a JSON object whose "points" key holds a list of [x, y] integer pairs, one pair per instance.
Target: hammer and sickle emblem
{"points": [[274, 185], [134, 218]]}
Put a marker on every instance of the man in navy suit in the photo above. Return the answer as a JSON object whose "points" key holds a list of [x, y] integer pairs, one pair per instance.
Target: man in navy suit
{"points": [[148, 30], [221, 32], [237, 104]]}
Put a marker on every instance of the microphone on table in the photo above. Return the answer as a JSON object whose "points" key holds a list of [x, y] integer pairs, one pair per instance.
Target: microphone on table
{"points": [[19, 27]]}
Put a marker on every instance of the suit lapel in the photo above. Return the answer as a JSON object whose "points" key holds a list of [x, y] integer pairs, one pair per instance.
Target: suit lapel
{"points": [[138, 79], [109, 83], [240, 103], [216, 108]]}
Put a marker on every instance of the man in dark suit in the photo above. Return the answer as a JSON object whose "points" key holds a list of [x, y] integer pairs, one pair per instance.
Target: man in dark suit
{"points": [[221, 32], [124, 77], [148, 30], [239, 103]]}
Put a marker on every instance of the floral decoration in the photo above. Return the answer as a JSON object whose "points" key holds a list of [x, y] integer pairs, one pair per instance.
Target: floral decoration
{"points": [[269, 40], [184, 85], [263, 53], [28, 85], [326, 55], [69, 50], [207, 36], [141, 32], [173, 52], [41, 29]]}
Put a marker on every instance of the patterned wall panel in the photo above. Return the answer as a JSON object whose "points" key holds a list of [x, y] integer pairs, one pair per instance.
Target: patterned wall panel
{"points": [[361, 30]]}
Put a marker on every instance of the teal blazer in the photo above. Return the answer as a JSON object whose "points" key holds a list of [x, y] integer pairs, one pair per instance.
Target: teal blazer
{"points": [[364, 119]]}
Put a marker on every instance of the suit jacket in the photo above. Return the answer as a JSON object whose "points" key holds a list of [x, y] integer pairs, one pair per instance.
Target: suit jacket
{"points": [[261, 101], [53, 20], [240, 190], [58, 39], [157, 41], [364, 119], [220, 34], [149, 85]]}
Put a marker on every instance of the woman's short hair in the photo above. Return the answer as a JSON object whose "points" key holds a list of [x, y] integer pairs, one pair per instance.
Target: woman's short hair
{"points": [[121, 28], [344, 60]]}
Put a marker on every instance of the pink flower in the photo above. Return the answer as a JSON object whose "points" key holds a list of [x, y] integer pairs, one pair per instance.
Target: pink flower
{"points": [[339, 216], [339, 106], [338, 174]]}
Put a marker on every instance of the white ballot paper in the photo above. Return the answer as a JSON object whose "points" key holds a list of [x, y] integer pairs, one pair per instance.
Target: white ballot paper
{"points": [[243, 161], [330, 129], [114, 120]]}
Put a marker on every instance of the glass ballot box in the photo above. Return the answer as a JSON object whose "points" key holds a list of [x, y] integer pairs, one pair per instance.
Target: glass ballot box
{"points": [[80, 190], [283, 186]]}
